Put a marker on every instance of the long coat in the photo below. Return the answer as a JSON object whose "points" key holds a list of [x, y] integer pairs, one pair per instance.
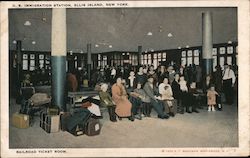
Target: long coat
{"points": [[123, 105], [72, 82]]}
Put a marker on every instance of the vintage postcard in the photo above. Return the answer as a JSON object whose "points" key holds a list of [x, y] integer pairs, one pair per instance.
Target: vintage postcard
{"points": [[124, 78]]}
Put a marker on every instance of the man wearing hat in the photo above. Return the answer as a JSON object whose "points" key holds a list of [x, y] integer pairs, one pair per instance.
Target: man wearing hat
{"points": [[228, 79], [151, 91]]}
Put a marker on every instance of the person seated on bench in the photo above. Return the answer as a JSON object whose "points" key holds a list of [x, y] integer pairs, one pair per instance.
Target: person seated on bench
{"points": [[140, 101], [167, 96], [151, 91], [120, 98], [107, 101]]}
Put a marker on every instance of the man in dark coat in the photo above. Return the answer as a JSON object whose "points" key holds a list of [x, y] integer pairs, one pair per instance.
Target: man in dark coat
{"points": [[177, 93]]}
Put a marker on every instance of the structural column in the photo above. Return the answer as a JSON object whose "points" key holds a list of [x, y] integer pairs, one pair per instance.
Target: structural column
{"points": [[89, 60], [58, 57], [139, 54], [19, 63], [207, 43]]}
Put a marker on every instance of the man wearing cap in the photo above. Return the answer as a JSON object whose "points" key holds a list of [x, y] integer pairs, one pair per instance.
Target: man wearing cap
{"points": [[228, 78], [151, 92]]}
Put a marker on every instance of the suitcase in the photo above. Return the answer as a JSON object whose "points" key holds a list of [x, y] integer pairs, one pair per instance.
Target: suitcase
{"points": [[52, 123], [20, 120], [49, 123], [92, 127], [63, 120]]}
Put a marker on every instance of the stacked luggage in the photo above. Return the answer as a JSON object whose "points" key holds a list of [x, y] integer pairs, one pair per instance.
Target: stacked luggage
{"points": [[82, 120], [50, 120], [31, 103]]}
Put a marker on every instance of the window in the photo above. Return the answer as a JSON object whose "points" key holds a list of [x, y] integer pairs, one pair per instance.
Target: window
{"points": [[190, 53], [149, 56], [25, 61], [183, 53], [159, 55], [142, 57], [25, 64], [222, 50], [41, 56], [32, 56], [164, 55], [229, 60], [142, 61], [149, 62], [196, 61], [183, 61], [196, 53], [189, 61], [222, 61], [32, 62], [41, 61], [230, 50], [214, 51]]}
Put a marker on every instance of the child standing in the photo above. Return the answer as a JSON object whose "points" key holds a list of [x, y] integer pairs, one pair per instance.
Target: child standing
{"points": [[211, 98]]}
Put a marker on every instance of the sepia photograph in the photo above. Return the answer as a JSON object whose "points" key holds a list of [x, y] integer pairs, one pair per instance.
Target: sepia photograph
{"points": [[122, 79]]}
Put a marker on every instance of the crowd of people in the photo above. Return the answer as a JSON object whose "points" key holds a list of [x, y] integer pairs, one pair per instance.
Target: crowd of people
{"points": [[134, 91]]}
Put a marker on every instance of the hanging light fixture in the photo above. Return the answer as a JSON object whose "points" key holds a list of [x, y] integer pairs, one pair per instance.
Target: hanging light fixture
{"points": [[110, 46], [179, 47], [170, 35], [33, 42], [14, 42], [187, 46], [27, 23], [149, 33]]}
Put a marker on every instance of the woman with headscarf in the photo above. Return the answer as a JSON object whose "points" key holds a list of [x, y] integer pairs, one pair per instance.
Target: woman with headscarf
{"points": [[106, 101]]}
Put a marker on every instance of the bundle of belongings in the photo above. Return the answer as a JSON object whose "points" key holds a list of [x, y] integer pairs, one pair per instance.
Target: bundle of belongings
{"points": [[83, 119], [32, 102]]}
